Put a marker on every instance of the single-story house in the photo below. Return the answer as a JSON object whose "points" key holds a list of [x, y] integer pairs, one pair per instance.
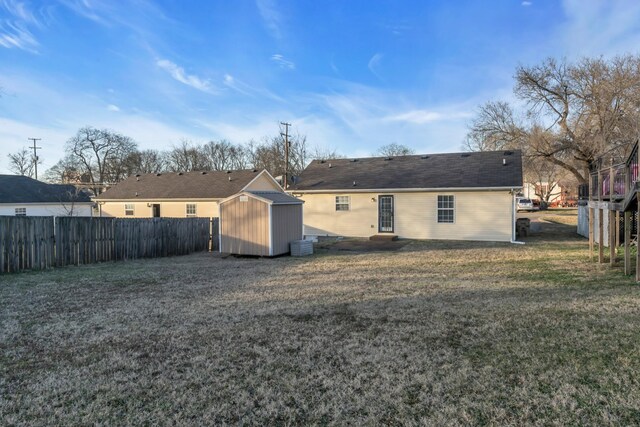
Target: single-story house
{"points": [[24, 196], [458, 196], [178, 194]]}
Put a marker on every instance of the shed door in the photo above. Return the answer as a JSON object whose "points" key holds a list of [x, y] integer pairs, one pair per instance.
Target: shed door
{"points": [[385, 214]]}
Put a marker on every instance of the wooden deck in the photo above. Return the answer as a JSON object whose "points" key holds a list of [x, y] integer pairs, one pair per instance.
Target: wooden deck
{"points": [[615, 189]]}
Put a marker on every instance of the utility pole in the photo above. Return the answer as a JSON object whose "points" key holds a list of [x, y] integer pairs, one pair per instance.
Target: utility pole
{"points": [[286, 152], [35, 153]]}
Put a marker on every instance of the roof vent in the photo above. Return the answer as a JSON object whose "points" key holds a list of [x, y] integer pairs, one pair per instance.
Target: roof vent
{"points": [[354, 160], [136, 194], [354, 183], [137, 175], [229, 178], [424, 157], [255, 170], [228, 171], [180, 173], [465, 155], [329, 165], [158, 174], [388, 158], [504, 162], [203, 173], [322, 161], [508, 153]]}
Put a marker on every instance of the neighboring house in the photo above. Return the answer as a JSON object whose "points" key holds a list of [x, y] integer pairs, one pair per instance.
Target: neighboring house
{"points": [[179, 195], [533, 190], [24, 196], [459, 196]]}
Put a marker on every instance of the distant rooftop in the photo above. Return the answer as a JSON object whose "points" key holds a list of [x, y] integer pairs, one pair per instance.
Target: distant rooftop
{"points": [[22, 189], [179, 185]]}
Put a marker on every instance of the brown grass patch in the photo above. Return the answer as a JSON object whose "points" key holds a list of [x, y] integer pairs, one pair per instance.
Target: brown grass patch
{"points": [[435, 333]]}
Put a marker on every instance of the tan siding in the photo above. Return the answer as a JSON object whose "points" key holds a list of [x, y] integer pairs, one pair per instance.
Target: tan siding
{"points": [[479, 215], [286, 223], [168, 209], [244, 227], [263, 183]]}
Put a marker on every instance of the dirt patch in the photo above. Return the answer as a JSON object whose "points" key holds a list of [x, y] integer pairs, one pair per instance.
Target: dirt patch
{"points": [[360, 245]]}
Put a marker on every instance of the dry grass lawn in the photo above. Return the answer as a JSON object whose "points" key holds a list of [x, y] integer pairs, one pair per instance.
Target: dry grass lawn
{"points": [[437, 333]]}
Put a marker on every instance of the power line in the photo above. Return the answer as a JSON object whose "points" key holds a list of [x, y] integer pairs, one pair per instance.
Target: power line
{"points": [[35, 153], [286, 151]]}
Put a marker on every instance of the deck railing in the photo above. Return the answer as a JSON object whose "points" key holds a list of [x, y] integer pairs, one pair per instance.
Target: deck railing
{"points": [[615, 181]]}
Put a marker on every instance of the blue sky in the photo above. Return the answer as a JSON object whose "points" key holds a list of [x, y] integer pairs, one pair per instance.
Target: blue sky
{"points": [[351, 75]]}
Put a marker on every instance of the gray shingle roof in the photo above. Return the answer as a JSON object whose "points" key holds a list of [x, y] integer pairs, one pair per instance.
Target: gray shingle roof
{"points": [[22, 189], [453, 170], [277, 197], [188, 185]]}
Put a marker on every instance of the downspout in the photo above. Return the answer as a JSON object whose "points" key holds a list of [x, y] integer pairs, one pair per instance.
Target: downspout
{"points": [[513, 218]]}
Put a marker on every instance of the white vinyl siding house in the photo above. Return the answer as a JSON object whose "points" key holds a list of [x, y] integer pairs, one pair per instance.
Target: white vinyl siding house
{"points": [[24, 196]]}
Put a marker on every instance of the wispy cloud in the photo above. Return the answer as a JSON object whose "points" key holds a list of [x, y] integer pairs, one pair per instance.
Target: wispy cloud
{"points": [[426, 116], [88, 9], [241, 87], [179, 74], [282, 62], [14, 30], [374, 63], [600, 28], [113, 108], [271, 17], [526, 3]]}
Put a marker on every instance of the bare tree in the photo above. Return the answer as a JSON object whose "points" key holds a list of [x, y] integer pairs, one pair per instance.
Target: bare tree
{"points": [[223, 155], [70, 198], [270, 154], [100, 154], [145, 161], [494, 128], [186, 157], [67, 170], [586, 109], [394, 149], [325, 154], [22, 163]]}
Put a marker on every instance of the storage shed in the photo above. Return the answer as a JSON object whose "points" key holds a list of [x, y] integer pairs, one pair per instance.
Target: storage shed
{"points": [[261, 223]]}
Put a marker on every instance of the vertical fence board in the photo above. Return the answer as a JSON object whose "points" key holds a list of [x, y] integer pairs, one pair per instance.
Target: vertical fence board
{"points": [[32, 243]]}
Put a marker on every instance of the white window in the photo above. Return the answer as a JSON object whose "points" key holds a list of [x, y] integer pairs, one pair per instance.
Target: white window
{"points": [[21, 211], [446, 209], [342, 203], [129, 209], [191, 209]]}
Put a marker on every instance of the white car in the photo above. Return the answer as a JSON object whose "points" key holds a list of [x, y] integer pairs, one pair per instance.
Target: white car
{"points": [[523, 204]]}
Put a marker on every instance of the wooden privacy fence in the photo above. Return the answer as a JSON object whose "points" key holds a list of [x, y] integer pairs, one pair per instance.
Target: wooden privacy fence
{"points": [[26, 243], [42, 242]]}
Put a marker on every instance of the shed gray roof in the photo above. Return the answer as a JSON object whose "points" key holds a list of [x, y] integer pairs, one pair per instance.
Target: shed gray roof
{"points": [[188, 185], [22, 189], [277, 197], [453, 170]]}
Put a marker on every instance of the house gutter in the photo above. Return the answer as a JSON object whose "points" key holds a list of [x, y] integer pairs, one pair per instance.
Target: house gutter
{"points": [[513, 218], [400, 190]]}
